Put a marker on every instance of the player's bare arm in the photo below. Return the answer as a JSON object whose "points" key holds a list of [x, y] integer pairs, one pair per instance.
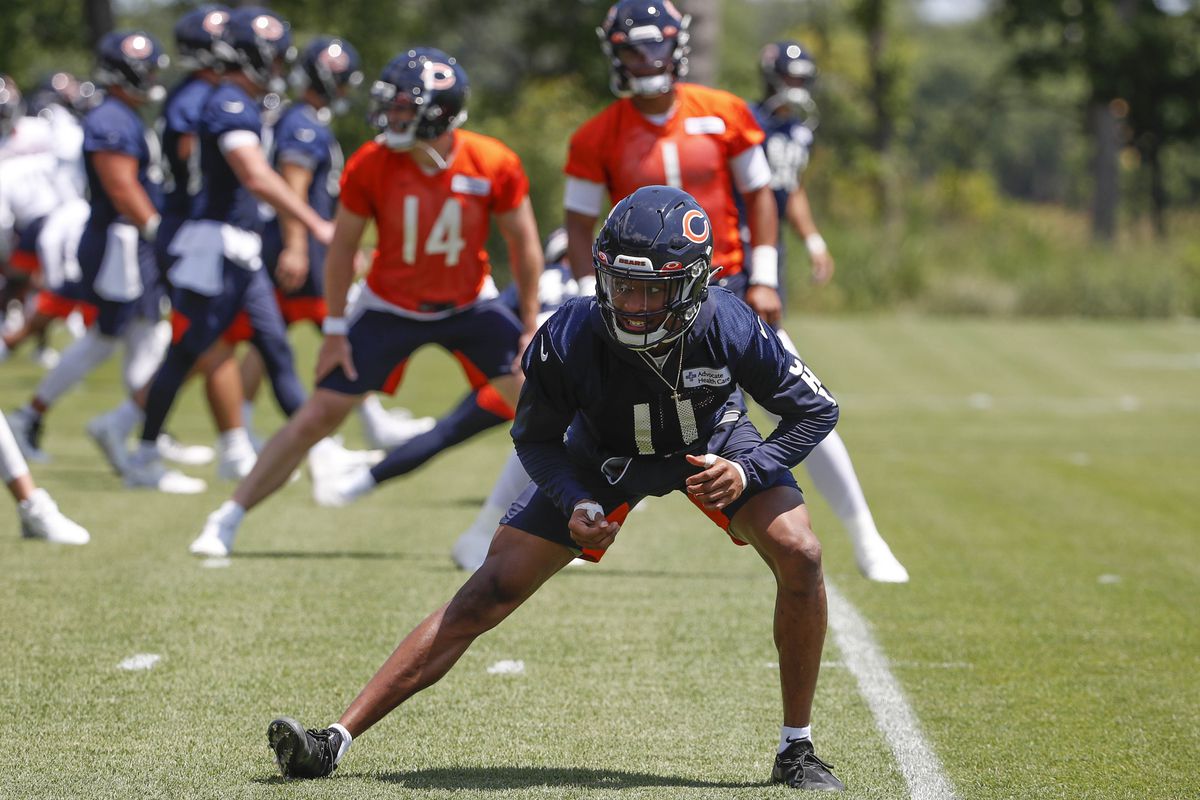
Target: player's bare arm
{"points": [[335, 351], [519, 229], [118, 174], [579, 243], [800, 217], [764, 232], [253, 171], [291, 268]]}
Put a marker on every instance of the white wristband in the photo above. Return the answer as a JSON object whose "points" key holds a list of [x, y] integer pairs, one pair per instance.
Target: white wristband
{"points": [[335, 326], [149, 231], [815, 244], [764, 266], [587, 286], [593, 509]]}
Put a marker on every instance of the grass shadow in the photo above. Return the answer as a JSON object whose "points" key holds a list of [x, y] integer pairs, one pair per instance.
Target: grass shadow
{"points": [[510, 778], [359, 555]]}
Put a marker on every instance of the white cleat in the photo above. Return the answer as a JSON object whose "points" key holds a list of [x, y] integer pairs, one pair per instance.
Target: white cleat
{"points": [[187, 455], [27, 430], [153, 474], [236, 461], [471, 549], [46, 357], [876, 562], [109, 436], [337, 489], [41, 519], [395, 428], [216, 539]]}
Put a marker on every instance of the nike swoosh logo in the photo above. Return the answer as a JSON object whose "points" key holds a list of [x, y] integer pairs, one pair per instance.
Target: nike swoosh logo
{"points": [[542, 349]]}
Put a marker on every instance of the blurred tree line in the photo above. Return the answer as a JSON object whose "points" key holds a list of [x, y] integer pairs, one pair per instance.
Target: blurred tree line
{"points": [[1084, 105]]}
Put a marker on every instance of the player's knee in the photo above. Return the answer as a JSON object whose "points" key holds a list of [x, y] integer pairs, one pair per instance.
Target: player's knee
{"points": [[316, 419], [484, 600], [798, 558]]}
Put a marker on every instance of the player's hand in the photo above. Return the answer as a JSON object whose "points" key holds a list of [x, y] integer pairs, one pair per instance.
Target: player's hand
{"points": [[522, 346], [718, 485], [822, 268], [291, 269], [335, 352], [589, 528], [766, 303], [323, 233]]}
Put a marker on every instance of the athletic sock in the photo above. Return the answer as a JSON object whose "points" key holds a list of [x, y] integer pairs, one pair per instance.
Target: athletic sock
{"points": [[235, 439], [788, 736], [232, 510], [346, 740]]}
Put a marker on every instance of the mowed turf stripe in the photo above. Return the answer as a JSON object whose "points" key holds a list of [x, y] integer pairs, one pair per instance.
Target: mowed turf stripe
{"points": [[920, 766]]}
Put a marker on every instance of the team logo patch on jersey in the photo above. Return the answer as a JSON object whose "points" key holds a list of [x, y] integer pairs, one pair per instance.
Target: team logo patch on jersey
{"points": [[697, 126], [703, 376], [268, 27], [137, 46], [698, 235], [465, 184]]}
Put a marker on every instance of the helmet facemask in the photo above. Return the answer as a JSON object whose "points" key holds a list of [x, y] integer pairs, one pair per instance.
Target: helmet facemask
{"points": [[645, 308], [645, 60]]}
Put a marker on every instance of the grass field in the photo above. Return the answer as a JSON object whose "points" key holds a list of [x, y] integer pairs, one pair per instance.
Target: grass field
{"points": [[1039, 480]]}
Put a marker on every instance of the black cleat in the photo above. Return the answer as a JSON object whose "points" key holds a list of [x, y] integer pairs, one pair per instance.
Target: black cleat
{"points": [[800, 768], [300, 753]]}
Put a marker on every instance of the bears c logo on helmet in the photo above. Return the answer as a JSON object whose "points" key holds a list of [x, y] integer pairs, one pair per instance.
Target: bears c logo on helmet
{"points": [[268, 27], [437, 76], [214, 22], [136, 46], [689, 226]]}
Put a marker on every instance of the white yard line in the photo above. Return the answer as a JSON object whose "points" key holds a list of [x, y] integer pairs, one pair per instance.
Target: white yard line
{"points": [[893, 716]]}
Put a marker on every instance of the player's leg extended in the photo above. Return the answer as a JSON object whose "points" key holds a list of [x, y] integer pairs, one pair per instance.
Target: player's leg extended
{"points": [[516, 567], [270, 339], [518, 564]]}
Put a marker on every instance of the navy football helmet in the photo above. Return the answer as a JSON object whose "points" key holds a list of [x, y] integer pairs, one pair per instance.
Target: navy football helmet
{"points": [[258, 42], [12, 106], [131, 60], [195, 34], [789, 71], [62, 89], [329, 66], [429, 83], [646, 42], [653, 259]]}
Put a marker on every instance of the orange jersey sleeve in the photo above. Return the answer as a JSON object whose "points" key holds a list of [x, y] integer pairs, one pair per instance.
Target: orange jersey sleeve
{"points": [[691, 150], [433, 228]]}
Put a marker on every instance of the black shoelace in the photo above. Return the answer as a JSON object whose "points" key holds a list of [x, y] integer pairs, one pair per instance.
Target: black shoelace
{"points": [[803, 755], [327, 747]]}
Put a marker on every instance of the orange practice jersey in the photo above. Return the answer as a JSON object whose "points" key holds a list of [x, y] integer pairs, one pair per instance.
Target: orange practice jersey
{"points": [[623, 150], [432, 228]]}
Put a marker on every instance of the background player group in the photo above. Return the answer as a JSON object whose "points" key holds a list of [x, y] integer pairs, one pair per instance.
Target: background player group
{"points": [[180, 218]]}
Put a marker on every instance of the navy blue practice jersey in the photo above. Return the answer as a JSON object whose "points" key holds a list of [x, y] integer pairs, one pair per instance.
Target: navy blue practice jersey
{"points": [[302, 138], [114, 127], [227, 111], [787, 146], [180, 118], [617, 403]]}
